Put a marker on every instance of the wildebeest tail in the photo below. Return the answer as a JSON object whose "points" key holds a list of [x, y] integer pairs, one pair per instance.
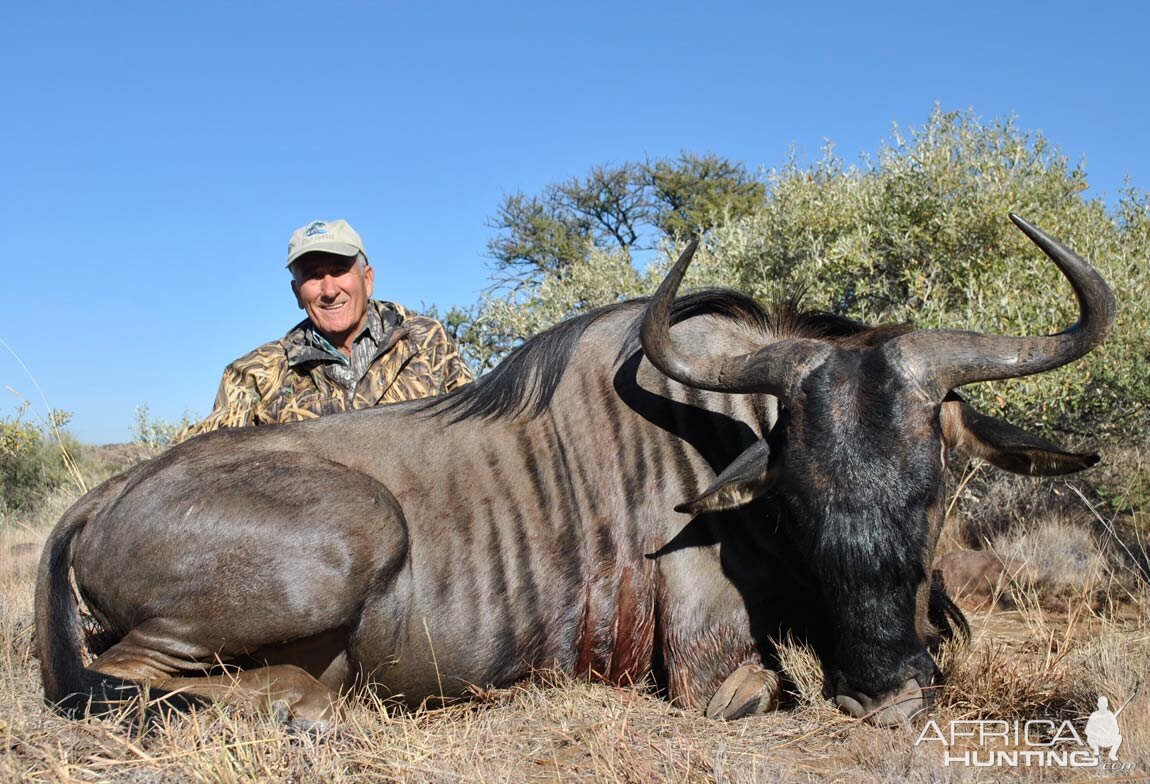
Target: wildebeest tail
{"points": [[69, 686]]}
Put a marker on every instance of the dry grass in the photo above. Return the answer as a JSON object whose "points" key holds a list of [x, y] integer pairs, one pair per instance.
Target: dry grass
{"points": [[1028, 663]]}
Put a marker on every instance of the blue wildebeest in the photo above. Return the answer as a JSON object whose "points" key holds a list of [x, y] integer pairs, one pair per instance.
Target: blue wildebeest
{"points": [[650, 490]]}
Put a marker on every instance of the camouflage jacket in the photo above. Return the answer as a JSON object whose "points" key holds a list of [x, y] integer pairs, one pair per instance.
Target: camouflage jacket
{"points": [[284, 381]]}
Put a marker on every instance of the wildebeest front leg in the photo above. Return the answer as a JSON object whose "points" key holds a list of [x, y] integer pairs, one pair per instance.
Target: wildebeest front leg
{"points": [[711, 658], [748, 690]]}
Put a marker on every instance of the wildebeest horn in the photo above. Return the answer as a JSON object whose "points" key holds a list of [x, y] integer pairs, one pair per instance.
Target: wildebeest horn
{"points": [[773, 369], [945, 359]]}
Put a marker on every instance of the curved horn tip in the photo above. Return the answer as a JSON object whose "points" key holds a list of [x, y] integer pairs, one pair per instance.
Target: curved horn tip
{"points": [[689, 251], [678, 271], [1027, 228], [1040, 238]]}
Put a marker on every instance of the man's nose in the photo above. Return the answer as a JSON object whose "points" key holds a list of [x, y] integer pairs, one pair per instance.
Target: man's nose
{"points": [[327, 286]]}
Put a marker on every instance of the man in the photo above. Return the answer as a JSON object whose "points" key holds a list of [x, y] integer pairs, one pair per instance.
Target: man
{"points": [[350, 352]]}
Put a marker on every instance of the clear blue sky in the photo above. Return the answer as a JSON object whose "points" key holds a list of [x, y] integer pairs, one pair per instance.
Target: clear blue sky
{"points": [[154, 157]]}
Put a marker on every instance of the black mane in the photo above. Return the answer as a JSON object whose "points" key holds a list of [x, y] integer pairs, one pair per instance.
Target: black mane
{"points": [[525, 380]]}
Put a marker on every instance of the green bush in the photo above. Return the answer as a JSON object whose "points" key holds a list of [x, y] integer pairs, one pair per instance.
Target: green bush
{"points": [[32, 464], [154, 434]]}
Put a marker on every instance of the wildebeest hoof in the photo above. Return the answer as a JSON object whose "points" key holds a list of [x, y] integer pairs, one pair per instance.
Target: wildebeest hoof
{"points": [[281, 712], [316, 729], [312, 728], [748, 690]]}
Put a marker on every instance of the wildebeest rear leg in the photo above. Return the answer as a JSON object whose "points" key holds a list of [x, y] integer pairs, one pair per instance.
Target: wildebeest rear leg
{"points": [[254, 580], [282, 688], [288, 692]]}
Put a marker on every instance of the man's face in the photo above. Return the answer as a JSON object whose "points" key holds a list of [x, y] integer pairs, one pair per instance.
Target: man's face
{"points": [[334, 290]]}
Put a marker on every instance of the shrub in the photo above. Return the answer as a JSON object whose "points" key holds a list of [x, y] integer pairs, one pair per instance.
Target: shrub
{"points": [[154, 434], [31, 465]]}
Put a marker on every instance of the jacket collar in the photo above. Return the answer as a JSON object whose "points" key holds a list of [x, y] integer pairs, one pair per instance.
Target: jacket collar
{"points": [[383, 319]]}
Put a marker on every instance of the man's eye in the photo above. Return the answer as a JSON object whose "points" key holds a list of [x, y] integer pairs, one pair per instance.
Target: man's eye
{"points": [[320, 273]]}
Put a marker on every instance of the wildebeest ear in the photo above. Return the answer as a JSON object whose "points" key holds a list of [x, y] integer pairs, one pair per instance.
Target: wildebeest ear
{"points": [[741, 482], [1004, 445]]}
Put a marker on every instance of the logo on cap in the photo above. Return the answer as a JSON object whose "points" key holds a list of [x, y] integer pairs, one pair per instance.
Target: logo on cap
{"points": [[318, 227]]}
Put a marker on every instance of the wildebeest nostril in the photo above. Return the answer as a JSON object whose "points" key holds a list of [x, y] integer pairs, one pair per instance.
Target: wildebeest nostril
{"points": [[902, 707], [893, 709]]}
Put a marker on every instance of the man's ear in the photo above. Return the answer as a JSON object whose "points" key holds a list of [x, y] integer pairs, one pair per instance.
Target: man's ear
{"points": [[1004, 445], [295, 290], [741, 482], [369, 278]]}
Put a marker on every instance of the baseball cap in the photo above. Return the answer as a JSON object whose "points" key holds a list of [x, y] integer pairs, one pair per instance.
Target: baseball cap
{"points": [[335, 236]]}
